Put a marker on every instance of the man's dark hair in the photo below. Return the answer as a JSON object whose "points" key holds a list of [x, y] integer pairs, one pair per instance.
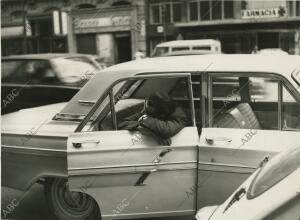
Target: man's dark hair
{"points": [[162, 104]]}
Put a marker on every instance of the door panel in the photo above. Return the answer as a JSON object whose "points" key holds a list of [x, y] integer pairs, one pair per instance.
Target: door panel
{"points": [[113, 166], [231, 155]]}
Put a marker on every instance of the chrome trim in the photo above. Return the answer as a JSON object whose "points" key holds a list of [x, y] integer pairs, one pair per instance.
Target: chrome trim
{"points": [[149, 214], [140, 168], [136, 148], [33, 151], [226, 165]]}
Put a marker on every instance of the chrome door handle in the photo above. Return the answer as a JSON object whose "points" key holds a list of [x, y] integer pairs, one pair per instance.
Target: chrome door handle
{"points": [[79, 144], [212, 140]]}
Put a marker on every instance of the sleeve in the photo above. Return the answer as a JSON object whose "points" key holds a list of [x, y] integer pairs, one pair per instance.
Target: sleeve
{"points": [[164, 129]]}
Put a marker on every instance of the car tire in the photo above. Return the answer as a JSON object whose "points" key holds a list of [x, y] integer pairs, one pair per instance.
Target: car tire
{"points": [[67, 205]]}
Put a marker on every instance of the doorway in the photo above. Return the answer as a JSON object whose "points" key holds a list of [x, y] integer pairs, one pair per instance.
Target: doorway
{"points": [[267, 40], [123, 47]]}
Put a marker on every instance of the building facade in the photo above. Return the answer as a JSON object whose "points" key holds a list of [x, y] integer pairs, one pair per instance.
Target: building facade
{"points": [[241, 26], [114, 30]]}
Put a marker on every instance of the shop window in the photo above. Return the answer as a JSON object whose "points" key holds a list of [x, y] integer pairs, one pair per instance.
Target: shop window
{"points": [[193, 10], [216, 7], [297, 8], [204, 10], [228, 9]]}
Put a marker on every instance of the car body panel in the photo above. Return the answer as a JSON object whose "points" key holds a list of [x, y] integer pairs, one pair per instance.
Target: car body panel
{"points": [[37, 143], [112, 168]]}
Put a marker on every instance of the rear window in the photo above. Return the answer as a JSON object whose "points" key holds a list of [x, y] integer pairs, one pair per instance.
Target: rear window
{"points": [[274, 171], [24, 71], [180, 48]]}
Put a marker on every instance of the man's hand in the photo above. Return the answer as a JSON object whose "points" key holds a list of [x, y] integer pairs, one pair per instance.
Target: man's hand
{"points": [[143, 117]]}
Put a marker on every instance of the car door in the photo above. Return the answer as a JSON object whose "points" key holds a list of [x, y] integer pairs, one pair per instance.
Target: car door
{"points": [[132, 173], [244, 125]]}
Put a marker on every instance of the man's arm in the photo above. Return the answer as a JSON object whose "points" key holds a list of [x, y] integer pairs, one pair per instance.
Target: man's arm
{"points": [[164, 129]]}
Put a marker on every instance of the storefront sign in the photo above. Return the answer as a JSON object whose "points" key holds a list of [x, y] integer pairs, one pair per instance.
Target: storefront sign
{"points": [[264, 13], [103, 22]]}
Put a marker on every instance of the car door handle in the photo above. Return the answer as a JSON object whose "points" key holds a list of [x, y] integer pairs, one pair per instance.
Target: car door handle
{"points": [[161, 155], [79, 144], [212, 140]]}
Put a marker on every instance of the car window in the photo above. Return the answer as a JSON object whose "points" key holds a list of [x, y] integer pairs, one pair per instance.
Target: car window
{"points": [[73, 71], [28, 71], [274, 171], [201, 48], [180, 48], [160, 51], [290, 111], [244, 102], [130, 100]]}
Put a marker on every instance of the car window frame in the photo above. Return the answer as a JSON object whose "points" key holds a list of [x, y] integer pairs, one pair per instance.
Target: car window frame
{"points": [[111, 104], [282, 81]]}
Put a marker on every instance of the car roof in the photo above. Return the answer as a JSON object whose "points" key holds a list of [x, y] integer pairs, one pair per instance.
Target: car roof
{"points": [[188, 43], [251, 63], [44, 56], [187, 52]]}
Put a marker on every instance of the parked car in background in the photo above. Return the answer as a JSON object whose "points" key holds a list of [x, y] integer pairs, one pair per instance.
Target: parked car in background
{"points": [[271, 51], [173, 47], [271, 193], [89, 166], [40, 79]]}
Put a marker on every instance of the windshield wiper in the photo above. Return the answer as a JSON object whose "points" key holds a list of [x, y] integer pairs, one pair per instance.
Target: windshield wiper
{"points": [[237, 196]]}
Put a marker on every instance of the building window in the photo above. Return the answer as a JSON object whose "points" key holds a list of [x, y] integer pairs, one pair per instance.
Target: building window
{"points": [[228, 9], [193, 11], [177, 12], [297, 8], [204, 10], [155, 14], [216, 7], [210, 10], [165, 12]]}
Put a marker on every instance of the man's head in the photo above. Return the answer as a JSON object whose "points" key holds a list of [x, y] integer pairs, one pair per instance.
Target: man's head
{"points": [[159, 105]]}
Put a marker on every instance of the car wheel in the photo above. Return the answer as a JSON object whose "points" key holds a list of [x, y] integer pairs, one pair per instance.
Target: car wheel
{"points": [[68, 205]]}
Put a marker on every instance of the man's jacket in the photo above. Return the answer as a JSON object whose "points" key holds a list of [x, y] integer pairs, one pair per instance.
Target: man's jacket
{"points": [[162, 128]]}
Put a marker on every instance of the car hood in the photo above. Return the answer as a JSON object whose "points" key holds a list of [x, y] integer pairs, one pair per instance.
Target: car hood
{"points": [[37, 120]]}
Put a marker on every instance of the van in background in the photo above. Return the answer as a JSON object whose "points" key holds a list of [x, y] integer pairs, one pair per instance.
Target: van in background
{"points": [[203, 46]]}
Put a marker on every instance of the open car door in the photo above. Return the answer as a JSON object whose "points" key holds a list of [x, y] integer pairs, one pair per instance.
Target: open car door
{"points": [[133, 173]]}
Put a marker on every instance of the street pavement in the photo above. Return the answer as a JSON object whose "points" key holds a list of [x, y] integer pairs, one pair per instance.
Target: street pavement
{"points": [[33, 205]]}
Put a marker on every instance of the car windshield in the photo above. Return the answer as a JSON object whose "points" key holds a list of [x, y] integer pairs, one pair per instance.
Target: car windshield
{"points": [[73, 71], [274, 171], [160, 51]]}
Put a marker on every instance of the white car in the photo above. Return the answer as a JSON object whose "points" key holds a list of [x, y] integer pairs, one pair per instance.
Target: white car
{"points": [[272, 192]]}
